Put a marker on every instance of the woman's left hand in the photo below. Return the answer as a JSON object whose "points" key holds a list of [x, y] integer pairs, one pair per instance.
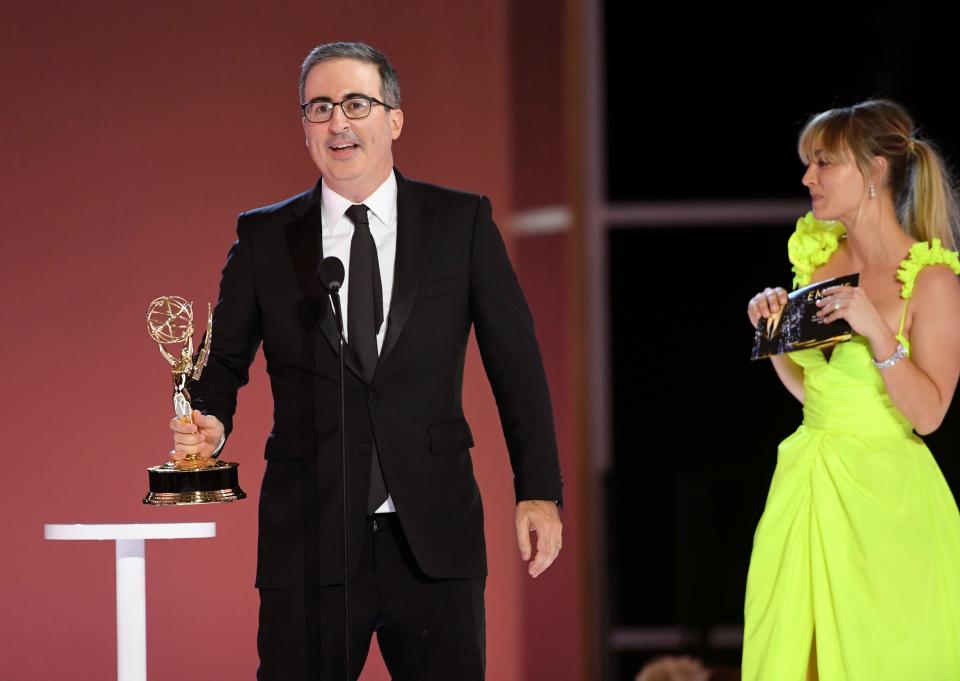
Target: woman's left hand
{"points": [[852, 304]]}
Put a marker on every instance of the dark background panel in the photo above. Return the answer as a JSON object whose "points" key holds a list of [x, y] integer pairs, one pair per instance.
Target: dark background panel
{"points": [[695, 422], [706, 104]]}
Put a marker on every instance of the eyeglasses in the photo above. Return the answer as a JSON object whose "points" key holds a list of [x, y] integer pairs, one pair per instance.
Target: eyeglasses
{"points": [[357, 106]]}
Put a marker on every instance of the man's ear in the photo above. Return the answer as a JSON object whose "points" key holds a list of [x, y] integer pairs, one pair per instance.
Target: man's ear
{"points": [[396, 123]]}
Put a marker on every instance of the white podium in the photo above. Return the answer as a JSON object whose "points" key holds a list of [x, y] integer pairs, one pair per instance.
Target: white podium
{"points": [[131, 580]]}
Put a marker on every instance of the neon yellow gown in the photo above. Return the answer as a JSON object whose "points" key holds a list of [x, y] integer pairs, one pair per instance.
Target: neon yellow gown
{"points": [[857, 555]]}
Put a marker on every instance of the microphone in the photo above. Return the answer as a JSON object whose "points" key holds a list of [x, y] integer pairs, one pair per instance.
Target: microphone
{"points": [[331, 273]]}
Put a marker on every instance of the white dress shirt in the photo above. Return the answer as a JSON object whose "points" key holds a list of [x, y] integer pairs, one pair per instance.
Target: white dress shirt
{"points": [[337, 232]]}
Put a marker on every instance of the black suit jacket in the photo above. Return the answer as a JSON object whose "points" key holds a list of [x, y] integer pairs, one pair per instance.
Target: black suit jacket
{"points": [[451, 271]]}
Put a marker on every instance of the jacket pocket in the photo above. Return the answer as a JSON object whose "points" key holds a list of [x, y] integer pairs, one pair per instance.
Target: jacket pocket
{"points": [[450, 436]]}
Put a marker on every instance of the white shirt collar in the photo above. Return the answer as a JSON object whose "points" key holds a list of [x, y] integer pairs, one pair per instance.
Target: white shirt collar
{"points": [[382, 203]]}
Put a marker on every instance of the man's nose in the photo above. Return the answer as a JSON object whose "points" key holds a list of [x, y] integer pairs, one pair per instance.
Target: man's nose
{"points": [[338, 119]]}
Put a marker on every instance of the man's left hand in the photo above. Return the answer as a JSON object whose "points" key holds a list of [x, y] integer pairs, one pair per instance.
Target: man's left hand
{"points": [[543, 518]]}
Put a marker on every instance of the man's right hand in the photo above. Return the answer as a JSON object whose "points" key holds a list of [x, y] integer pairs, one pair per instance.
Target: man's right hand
{"points": [[199, 438]]}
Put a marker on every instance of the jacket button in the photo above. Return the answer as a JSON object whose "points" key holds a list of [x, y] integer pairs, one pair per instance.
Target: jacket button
{"points": [[364, 449]]}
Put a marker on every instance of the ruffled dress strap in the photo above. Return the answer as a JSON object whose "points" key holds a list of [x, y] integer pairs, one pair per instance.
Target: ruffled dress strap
{"points": [[811, 245], [922, 254]]}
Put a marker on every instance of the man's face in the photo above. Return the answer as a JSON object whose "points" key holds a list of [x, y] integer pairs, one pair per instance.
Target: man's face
{"points": [[353, 155]]}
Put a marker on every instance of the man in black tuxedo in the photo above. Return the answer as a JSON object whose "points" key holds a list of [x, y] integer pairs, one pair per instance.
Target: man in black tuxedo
{"points": [[423, 264]]}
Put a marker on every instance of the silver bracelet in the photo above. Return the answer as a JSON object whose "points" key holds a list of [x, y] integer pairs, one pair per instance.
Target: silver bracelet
{"points": [[901, 353]]}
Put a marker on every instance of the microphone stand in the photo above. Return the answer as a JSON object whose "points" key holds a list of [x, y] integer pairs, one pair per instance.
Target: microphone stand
{"points": [[335, 298], [331, 274]]}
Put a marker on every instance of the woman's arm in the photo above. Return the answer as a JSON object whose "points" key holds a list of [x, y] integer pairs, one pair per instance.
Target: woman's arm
{"points": [[922, 386], [790, 374]]}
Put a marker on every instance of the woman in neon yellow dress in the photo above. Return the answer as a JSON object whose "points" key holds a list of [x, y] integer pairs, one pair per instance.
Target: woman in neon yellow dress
{"points": [[855, 569]]}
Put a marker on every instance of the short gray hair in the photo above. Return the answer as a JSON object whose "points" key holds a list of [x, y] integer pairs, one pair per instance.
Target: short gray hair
{"points": [[361, 52]]}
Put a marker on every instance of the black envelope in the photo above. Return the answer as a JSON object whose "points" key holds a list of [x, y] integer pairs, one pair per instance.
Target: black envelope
{"points": [[797, 326]]}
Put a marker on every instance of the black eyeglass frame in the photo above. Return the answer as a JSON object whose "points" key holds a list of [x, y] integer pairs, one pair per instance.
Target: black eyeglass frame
{"points": [[333, 105]]}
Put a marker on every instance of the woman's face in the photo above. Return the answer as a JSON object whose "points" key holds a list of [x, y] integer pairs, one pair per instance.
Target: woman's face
{"points": [[836, 187]]}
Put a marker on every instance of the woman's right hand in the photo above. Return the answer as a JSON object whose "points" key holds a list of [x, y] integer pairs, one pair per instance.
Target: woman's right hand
{"points": [[768, 302]]}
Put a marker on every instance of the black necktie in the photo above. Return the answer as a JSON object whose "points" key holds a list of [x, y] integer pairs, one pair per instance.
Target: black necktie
{"points": [[364, 319]]}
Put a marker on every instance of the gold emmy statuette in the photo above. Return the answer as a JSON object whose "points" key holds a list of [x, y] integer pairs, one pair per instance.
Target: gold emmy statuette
{"points": [[192, 480]]}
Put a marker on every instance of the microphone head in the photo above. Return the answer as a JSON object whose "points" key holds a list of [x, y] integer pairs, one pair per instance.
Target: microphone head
{"points": [[331, 274]]}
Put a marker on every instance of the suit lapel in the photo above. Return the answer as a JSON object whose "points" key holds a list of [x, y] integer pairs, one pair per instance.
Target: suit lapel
{"points": [[305, 244], [415, 225]]}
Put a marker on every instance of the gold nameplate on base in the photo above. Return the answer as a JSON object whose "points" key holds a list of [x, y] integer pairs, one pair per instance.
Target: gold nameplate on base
{"points": [[192, 480]]}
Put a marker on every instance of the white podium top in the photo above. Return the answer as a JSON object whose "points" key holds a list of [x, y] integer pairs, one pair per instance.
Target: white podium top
{"points": [[131, 531]]}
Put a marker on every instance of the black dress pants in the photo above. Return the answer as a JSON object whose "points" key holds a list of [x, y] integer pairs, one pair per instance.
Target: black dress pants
{"points": [[427, 629]]}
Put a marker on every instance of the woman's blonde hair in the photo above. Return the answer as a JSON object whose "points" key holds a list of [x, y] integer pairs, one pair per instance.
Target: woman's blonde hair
{"points": [[918, 178]]}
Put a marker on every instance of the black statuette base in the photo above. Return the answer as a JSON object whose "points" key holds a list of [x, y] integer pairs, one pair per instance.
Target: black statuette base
{"points": [[215, 485]]}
